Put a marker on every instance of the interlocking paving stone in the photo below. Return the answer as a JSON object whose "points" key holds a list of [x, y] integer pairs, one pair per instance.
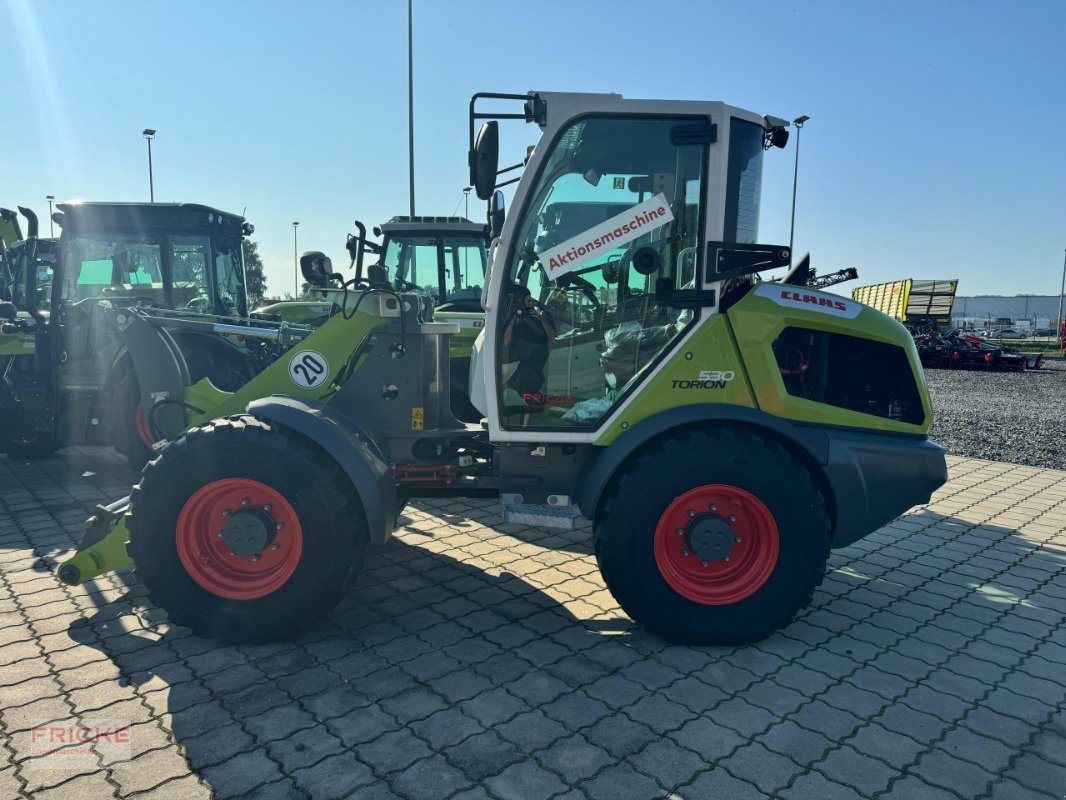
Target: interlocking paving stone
{"points": [[479, 660], [815, 786], [335, 776]]}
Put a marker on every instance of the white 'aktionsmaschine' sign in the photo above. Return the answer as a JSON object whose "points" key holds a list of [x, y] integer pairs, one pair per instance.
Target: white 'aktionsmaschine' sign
{"points": [[606, 236]]}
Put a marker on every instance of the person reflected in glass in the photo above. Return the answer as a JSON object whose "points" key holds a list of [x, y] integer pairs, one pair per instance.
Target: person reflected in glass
{"points": [[527, 340]]}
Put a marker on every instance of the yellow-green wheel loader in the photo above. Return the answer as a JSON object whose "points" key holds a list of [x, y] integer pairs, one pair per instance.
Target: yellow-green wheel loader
{"points": [[721, 433]]}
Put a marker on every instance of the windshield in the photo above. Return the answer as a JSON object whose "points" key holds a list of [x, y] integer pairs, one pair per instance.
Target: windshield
{"points": [[195, 273], [113, 266], [448, 267]]}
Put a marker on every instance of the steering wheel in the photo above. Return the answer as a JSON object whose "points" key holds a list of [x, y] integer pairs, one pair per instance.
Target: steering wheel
{"points": [[586, 287]]}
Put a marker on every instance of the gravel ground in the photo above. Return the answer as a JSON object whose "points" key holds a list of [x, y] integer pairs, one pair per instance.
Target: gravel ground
{"points": [[1018, 417]]}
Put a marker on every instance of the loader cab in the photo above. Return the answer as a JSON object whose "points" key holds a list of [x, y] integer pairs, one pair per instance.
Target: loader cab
{"points": [[605, 266]]}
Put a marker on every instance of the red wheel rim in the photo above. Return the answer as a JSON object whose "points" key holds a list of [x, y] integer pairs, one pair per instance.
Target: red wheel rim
{"points": [[140, 422], [206, 555], [741, 571]]}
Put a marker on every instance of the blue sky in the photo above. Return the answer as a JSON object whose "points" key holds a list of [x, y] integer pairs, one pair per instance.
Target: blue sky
{"points": [[933, 148]]}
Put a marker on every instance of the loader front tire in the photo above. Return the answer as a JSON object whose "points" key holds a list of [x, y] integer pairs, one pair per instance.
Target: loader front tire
{"points": [[246, 531], [715, 536], [128, 423]]}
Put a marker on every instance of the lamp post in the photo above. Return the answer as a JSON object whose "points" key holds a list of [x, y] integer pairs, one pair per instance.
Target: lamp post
{"points": [[466, 199], [1062, 291], [295, 263], [411, 100], [51, 229], [149, 134], [799, 123]]}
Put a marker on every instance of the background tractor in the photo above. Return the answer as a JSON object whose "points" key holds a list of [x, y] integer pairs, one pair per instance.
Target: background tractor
{"points": [[67, 374], [440, 258], [632, 370]]}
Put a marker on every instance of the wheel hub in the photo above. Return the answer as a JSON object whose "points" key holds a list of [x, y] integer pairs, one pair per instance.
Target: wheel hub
{"points": [[239, 538], [716, 544], [710, 537], [248, 531]]}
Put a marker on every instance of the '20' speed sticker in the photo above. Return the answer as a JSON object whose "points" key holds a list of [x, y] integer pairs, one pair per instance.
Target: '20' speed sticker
{"points": [[308, 369]]}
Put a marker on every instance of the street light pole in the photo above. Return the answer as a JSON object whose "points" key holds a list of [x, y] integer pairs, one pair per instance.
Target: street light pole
{"points": [[466, 199], [1062, 291], [51, 228], [799, 123], [149, 134], [411, 99], [295, 263]]}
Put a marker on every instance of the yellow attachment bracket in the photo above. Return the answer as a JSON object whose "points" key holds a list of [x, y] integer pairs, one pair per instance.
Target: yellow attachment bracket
{"points": [[106, 555]]}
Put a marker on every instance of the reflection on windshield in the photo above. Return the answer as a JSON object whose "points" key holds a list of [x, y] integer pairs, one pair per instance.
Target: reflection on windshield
{"points": [[113, 266], [194, 273]]}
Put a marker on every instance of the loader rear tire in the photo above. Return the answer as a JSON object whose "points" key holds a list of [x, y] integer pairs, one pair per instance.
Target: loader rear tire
{"points": [[198, 501], [715, 536]]}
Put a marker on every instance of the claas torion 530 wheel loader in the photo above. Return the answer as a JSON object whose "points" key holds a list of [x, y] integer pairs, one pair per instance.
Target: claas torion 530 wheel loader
{"points": [[722, 433]]}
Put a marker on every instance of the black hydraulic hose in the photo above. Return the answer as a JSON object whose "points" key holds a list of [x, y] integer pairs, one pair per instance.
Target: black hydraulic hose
{"points": [[372, 290], [167, 402]]}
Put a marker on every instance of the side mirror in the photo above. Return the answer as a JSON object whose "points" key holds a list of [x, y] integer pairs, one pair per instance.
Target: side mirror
{"points": [[485, 159], [776, 137], [316, 268], [497, 214]]}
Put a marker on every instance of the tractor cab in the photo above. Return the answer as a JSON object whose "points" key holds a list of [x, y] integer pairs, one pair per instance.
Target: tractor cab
{"points": [[438, 257], [177, 259], [177, 256]]}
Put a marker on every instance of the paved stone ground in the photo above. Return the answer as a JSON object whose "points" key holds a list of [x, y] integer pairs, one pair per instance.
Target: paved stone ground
{"points": [[478, 659]]}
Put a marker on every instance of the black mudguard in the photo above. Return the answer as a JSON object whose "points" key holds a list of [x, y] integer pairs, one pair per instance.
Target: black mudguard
{"points": [[868, 478], [350, 446], [162, 373]]}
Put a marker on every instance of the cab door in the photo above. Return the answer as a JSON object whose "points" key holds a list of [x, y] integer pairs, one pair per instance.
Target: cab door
{"points": [[616, 209]]}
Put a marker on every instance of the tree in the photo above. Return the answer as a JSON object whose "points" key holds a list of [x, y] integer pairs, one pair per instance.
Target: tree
{"points": [[255, 280]]}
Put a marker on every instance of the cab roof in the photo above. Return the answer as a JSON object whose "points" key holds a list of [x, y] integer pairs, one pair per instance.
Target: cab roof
{"points": [[160, 217], [424, 224]]}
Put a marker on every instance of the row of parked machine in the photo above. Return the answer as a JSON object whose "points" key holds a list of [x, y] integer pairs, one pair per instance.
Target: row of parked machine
{"points": [[69, 375]]}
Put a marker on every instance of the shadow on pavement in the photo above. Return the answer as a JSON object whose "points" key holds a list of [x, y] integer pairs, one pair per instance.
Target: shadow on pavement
{"points": [[435, 675]]}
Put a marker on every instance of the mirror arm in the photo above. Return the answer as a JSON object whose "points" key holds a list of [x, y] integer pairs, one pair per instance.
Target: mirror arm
{"points": [[511, 168], [508, 183]]}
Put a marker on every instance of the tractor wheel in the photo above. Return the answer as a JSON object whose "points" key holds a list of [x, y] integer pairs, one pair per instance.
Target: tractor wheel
{"points": [[28, 445], [128, 423], [714, 536], [245, 531]]}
